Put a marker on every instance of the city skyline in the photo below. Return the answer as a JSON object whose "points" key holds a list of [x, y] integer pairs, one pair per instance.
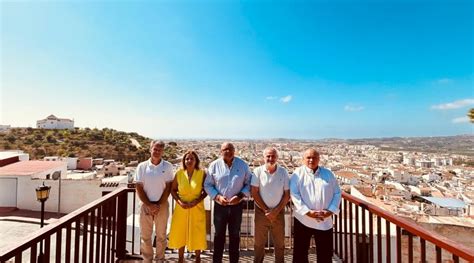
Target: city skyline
{"points": [[305, 70]]}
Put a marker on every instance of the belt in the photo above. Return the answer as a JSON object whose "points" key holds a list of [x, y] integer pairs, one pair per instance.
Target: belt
{"points": [[228, 205]]}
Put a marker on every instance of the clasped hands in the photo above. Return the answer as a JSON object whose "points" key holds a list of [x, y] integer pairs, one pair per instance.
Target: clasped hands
{"points": [[319, 215], [187, 205], [151, 209], [224, 201], [271, 214]]}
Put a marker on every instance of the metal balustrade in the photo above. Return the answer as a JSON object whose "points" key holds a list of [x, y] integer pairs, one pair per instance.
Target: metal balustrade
{"points": [[95, 232], [363, 232]]}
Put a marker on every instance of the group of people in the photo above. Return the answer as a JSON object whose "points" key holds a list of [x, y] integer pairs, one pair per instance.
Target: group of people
{"points": [[313, 190]]}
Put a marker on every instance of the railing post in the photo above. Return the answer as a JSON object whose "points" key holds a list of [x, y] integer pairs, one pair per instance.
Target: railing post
{"points": [[121, 225]]}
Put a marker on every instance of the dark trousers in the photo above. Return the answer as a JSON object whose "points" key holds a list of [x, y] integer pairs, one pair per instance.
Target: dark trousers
{"points": [[227, 217], [323, 239]]}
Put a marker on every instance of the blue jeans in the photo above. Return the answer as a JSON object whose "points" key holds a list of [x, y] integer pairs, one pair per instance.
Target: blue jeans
{"points": [[227, 217]]}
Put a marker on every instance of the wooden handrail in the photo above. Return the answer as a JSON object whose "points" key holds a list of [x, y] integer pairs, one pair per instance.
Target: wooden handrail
{"points": [[50, 229], [438, 240]]}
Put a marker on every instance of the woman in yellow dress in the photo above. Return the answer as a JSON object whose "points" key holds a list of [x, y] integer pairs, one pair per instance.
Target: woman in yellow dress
{"points": [[188, 224]]}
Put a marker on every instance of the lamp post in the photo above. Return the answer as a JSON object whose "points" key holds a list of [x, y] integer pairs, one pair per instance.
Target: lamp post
{"points": [[42, 194]]}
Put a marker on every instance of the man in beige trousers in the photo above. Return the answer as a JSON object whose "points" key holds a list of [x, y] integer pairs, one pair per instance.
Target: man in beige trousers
{"points": [[154, 178], [270, 190]]}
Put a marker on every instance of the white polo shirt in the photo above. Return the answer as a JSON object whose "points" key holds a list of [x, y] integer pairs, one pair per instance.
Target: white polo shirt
{"points": [[271, 186], [154, 178]]}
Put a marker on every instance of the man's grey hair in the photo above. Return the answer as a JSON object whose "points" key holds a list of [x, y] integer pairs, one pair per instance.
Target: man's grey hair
{"points": [[311, 150], [159, 142], [270, 149]]}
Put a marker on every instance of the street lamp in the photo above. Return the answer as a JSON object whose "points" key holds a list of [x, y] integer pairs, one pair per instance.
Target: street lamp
{"points": [[42, 194]]}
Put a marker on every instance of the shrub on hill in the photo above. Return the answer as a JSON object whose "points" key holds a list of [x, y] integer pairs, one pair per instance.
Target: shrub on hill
{"points": [[105, 143]]}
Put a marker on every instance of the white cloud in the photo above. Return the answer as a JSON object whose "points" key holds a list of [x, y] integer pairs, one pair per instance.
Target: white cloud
{"points": [[464, 119], [453, 105], [353, 108], [444, 81], [286, 99]]}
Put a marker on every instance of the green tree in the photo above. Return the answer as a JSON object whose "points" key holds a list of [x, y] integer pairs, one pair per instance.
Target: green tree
{"points": [[50, 138], [36, 144], [39, 153], [29, 140], [39, 137], [61, 152], [470, 114], [96, 135], [10, 138]]}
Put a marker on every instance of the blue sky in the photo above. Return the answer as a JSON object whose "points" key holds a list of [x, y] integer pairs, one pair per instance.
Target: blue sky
{"points": [[252, 69]]}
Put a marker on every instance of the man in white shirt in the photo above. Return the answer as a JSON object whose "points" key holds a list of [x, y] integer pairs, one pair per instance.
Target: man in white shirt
{"points": [[154, 178], [270, 190], [316, 197]]}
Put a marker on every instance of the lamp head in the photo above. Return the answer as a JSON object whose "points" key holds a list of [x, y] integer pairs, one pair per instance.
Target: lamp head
{"points": [[42, 192]]}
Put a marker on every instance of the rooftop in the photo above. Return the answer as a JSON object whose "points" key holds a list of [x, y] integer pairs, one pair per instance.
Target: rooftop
{"points": [[30, 167], [445, 202], [8, 154], [346, 174]]}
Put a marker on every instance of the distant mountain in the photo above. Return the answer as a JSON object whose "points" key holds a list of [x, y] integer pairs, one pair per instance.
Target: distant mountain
{"points": [[104, 143], [459, 144]]}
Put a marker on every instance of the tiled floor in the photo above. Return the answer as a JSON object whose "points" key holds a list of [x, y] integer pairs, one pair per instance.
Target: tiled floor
{"points": [[245, 256]]}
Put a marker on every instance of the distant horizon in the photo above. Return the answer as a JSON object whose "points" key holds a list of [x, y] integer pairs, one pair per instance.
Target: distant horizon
{"points": [[308, 139], [187, 69], [263, 138]]}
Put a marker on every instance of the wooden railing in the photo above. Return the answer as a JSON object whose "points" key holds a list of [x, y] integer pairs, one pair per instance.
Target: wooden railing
{"points": [[93, 233], [364, 232]]}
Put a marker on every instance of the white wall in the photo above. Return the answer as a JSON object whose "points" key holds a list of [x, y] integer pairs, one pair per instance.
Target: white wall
{"points": [[44, 174], [8, 192], [24, 157], [71, 162], [74, 194], [4, 127], [55, 124]]}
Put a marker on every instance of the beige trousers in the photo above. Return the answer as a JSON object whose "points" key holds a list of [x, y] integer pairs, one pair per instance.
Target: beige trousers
{"points": [[147, 222], [277, 228]]}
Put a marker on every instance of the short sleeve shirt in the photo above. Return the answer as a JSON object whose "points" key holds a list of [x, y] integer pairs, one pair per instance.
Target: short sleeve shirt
{"points": [[271, 186], [154, 178]]}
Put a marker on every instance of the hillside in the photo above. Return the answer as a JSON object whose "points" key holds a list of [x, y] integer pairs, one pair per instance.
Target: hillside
{"points": [[460, 144], [104, 143]]}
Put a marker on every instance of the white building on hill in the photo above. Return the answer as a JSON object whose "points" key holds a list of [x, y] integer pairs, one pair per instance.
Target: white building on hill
{"points": [[4, 127], [53, 122]]}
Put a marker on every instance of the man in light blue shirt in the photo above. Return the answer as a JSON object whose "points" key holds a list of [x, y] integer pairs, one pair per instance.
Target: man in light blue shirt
{"points": [[316, 196], [227, 183]]}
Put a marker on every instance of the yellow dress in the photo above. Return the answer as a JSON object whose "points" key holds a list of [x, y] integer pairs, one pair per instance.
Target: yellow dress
{"points": [[188, 226]]}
